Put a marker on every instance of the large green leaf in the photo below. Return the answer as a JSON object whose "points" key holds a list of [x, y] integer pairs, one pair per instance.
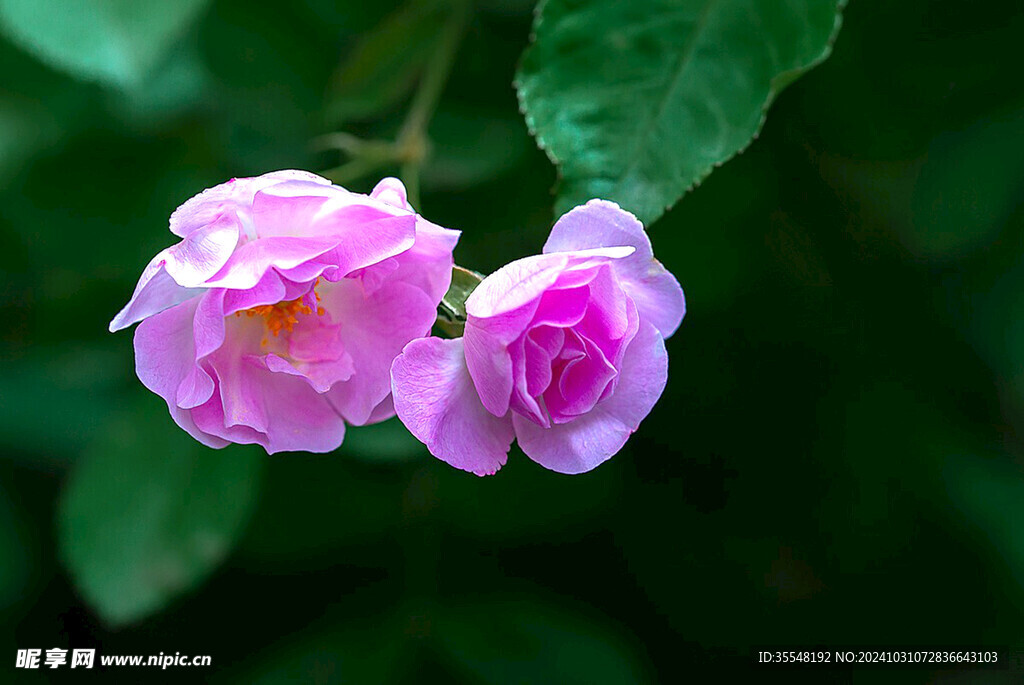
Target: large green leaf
{"points": [[149, 513], [117, 42], [523, 640], [968, 188], [638, 101]]}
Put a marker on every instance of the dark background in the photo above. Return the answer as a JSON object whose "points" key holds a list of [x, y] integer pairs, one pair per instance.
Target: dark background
{"points": [[837, 458]]}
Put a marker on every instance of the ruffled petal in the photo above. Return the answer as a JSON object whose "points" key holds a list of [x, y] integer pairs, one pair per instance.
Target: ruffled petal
{"points": [[524, 280], [505, 305], [588, 441], [349, 249], [298, 419], [373, 329], [600, 223], [165, 356], [203, 253], [234, 196], [391, 191], [436, 400], [155, 292]]}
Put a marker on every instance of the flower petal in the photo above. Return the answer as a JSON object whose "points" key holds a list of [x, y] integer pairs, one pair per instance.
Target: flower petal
{"points": [[504, 305], [524, 280], [373, 329], [436, 400], [298, 419], [230, 197], [600, 223], [155, 292], [391, 191], [352, 247], [164, 356], [589, 440]]}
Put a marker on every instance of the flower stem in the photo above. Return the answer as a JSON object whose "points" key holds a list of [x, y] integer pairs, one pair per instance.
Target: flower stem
{"points": [[412, 138]]}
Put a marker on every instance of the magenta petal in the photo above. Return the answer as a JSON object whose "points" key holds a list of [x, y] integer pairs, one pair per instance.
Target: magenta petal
{"points": [[391, 191], [382, 412], [164, 356], [428, 263], [373, 329], [589, 440], [489, 363], [155, 292], [436, 400], [600, 223], [300, 419], [202, 254], [524, 280], [275, 215], [355, 247], [206, 207]]}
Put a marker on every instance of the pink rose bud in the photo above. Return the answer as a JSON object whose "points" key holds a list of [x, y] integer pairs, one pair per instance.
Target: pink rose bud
{"points": [[276, 318], [564, 351]]}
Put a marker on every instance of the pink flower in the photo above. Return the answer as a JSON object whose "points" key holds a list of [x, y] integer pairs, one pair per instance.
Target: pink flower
{"points": [[564, 351], [276, 318]]}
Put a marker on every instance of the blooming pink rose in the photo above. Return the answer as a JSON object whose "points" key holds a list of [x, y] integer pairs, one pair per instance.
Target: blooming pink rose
{"points": [[564, 351], [276, 318]]}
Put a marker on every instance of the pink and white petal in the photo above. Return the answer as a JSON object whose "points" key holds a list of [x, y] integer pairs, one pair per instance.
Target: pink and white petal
{"points": [[251, 261], [203, 252], [270, 289], [230, 197], [390, 190], [435, 398], [373, 330], [581, 385], [209, 325], [600, 223], [164, 356], [524, 280], [209, 417], [315, 353], [301, 420], [522, 401], [428, 263], [489, 362], [276, 215], [155, 292], [241, 378], [353, 248], [382, 412], [591, 439]]}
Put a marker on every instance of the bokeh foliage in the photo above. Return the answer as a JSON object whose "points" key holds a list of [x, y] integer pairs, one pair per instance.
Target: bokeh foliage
{"points": [[836, 459]]}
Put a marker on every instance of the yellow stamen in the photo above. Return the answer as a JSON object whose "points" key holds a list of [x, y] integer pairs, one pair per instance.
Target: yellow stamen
{"points": [[284, 315]]}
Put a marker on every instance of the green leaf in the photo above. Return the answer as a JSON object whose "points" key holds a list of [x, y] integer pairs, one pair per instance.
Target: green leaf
{"points": [[988, 490], [116, 42], [464, 282], [526, 641], [149, 513], [52, 400], [969, 187], [638, 101], [356, 653], [451, 313], [386, 63]]}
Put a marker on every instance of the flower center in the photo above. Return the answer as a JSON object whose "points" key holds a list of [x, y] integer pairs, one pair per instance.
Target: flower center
{"points": [[284, 315]]}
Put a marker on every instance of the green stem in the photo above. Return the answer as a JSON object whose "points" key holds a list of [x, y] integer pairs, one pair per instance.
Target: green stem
{"points": [[412, 138]]}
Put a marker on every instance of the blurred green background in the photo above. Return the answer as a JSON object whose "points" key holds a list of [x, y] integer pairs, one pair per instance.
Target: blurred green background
{"points": [[837, 457]]}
